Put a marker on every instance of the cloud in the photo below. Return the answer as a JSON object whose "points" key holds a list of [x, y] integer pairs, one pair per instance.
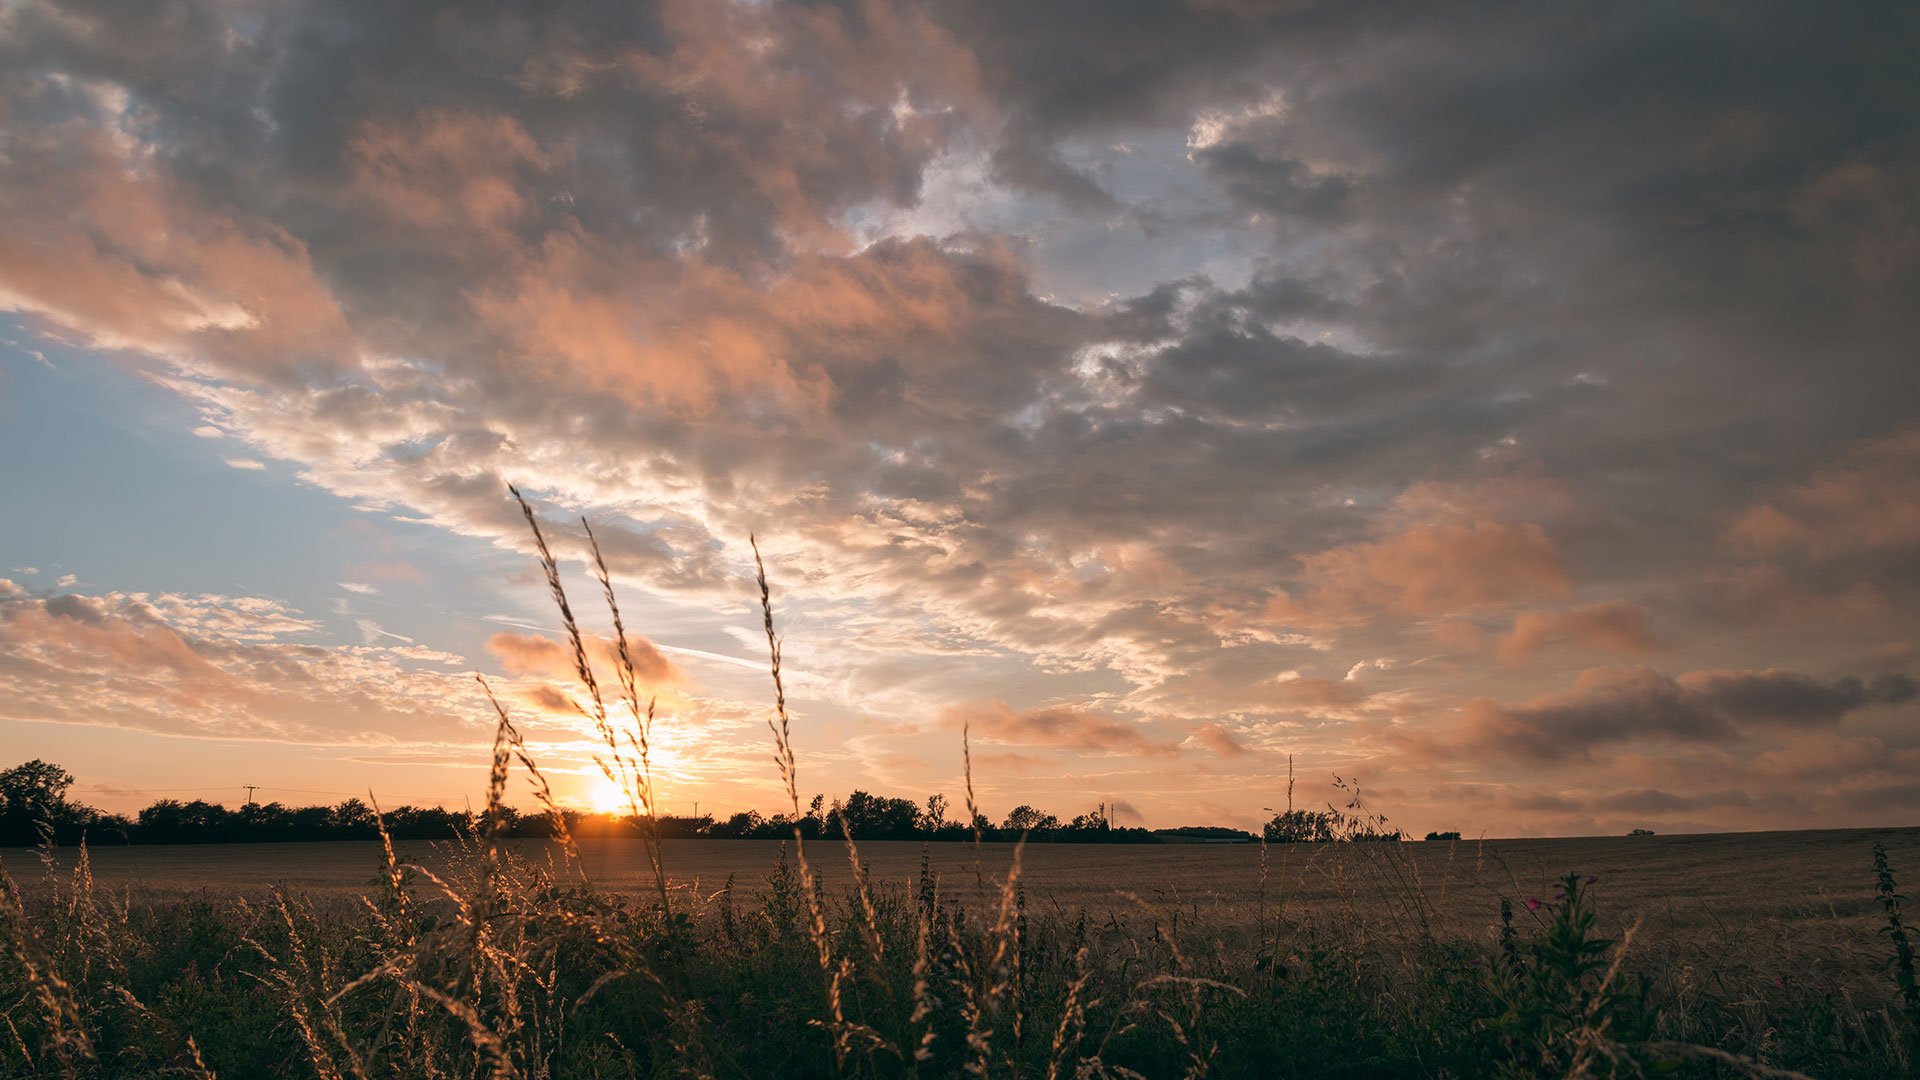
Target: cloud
{"points": [[372, 633], [1061, 727], [1614, 626], [533, 654], [1770, 594], [219, 667], [446, 172], [1219, 740], [243, 463], [1867, 505], [1135, 359], [1446, 550], [1655, 801], [1610, 705], [1319, 695]]}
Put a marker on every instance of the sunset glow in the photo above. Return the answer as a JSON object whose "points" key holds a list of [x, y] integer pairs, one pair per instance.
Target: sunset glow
{"points": [[1516, 414], [606, 797]]}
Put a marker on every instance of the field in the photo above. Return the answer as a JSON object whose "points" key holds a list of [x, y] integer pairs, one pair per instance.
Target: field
{"points": [[1778, 891], [1744, 955]]}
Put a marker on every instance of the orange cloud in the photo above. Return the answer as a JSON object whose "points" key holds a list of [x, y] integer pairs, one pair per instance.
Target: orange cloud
{"points": [[682, 331], [1446, 549], [532, 654], [446, 171], [1219, 740], [1869, 504], [1059, 726], [1319, 694], [101, 241], [1614, 626]]}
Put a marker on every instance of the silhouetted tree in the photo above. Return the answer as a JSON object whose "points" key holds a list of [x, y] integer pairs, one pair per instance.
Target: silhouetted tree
{"points": [[935, 815], [352, 820], [1301, 827], [31, 794], [875, 817], [1026, 819]]}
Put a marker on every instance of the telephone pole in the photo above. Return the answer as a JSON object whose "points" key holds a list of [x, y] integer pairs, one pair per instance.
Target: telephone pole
{"points": [[251, 788]]}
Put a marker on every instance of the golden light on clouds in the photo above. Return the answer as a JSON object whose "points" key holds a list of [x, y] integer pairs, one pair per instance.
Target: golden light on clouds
{"points": [[1530, 463]]}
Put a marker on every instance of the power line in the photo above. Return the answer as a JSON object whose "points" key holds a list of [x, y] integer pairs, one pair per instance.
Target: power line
{"points": [[110, 790]]}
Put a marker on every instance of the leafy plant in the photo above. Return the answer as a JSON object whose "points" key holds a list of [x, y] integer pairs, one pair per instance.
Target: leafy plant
{"points": [[1564, 1008]]}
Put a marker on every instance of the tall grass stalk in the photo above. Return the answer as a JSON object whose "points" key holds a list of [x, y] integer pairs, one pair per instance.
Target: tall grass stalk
{"points": [[631, 776], [780, 724]]}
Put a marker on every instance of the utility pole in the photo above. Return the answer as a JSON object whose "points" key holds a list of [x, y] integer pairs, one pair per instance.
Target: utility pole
{"points": [[696, 809], [251, 788]]}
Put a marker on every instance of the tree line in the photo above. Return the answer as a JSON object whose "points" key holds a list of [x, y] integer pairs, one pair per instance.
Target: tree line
{"points": [[34, 808]]}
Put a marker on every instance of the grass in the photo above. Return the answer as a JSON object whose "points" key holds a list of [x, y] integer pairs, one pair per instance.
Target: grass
{"points": [[492, 960]]}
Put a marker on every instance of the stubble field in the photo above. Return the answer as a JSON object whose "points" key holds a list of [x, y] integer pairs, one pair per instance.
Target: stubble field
{"points": [[1762, 954], [1800, 900]]}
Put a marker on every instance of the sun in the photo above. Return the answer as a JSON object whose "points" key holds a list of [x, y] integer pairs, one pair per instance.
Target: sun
{"points": [[607, 797]]}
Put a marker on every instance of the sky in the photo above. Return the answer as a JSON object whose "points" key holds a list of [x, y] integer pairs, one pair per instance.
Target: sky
{"points": [[1508, 407]]}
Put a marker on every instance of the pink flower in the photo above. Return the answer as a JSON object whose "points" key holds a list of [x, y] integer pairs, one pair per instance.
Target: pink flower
{"points": [[1533, 904]]}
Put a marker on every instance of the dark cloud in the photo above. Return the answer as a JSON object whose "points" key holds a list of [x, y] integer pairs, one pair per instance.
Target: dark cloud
{"points": [[1655, 801], [1613, 705]]}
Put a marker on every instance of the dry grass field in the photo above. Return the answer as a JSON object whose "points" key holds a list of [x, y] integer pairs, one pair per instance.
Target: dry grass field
{"points": [[1759, 954], [1796, 898]]}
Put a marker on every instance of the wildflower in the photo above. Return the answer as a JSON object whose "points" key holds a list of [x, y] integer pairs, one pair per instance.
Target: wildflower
{"points": [[1533, 904]]}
